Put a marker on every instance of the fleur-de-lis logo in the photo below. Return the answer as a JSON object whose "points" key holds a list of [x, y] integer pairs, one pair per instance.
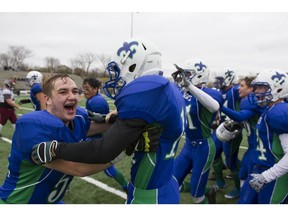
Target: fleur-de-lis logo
{"points": [[280, 78], [229, 73], [34, 77], [200, 66], [127, 50]]}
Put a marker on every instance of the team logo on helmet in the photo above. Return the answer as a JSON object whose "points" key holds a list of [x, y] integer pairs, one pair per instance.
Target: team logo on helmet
{"points": [[280, 78], [229, 73], [34, 77], [200, 66], [127, 50]]}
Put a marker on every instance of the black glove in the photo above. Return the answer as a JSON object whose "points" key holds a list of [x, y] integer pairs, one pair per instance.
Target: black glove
{"points": [[24, 101], [180, 77], [233, 126], [96, 117], [147, 142], [44, 152], [101, 118]]}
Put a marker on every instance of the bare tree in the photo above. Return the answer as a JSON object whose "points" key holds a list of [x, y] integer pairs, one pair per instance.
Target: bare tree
{"points": [[52, 64], [83, 61], [5, 60], [17, 55], [103, 61]]}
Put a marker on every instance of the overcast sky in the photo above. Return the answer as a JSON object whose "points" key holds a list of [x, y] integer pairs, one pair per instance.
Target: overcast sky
{"points": [[240, 40]]}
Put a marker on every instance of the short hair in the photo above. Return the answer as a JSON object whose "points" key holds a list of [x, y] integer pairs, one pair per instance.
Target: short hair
{"points": [[93, 82], [48, 84], [248, 80]]}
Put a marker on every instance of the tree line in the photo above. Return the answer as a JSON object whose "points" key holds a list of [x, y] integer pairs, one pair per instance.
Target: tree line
{"points": [[83, 64]]}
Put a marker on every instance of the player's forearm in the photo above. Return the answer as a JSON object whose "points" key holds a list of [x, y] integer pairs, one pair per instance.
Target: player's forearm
{"points": [[238, 116], [206, 100], [12, 104], [76, 169], [281, 167], [102, 150]]}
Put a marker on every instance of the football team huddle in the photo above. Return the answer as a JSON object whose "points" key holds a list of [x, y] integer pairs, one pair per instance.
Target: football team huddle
{"points": [[152, 114]]}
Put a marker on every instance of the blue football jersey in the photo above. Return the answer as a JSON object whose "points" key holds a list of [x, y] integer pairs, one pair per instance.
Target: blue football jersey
{"points": [[274, 121], [29, 183], [231, 100], [199, 118], [159, 102], [252, 121], [35, 89]]}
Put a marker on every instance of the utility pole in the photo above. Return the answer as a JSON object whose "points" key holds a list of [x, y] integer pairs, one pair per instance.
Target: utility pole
{"points": [[131, 25]]}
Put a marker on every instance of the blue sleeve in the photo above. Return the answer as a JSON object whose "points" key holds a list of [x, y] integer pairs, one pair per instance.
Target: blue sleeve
{"points": [[238, 116], [277, 118]]}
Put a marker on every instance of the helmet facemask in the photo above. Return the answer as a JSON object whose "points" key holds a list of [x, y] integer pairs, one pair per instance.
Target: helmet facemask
{"points": [[273, 84], [224, 78]]}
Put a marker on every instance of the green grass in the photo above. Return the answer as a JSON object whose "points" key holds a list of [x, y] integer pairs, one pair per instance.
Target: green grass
{"points": [[81, 192]]}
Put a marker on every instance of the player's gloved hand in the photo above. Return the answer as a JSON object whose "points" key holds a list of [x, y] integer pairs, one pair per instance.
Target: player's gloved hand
{"points": [[180, 77], [257, 182], [148, 141], [96, 117], [24, 101], [44, 152]]}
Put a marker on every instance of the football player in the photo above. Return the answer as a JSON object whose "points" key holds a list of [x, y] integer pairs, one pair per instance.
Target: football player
{"points": [[34, 80], [269, 178], [96, 103], [249, 115], [198, 152], [142, 98], [7, 105], [225, 82], [29, 183]]}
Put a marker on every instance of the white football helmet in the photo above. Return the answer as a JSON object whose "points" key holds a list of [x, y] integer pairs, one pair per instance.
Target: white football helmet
{"points": [[276, 82], [9, 83], [223, 78], [197, 72], [134, 58], [33, 77], [228, 129]]}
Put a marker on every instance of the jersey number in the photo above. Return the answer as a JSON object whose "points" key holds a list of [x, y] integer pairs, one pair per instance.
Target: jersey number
{"points": [[59, 189]]}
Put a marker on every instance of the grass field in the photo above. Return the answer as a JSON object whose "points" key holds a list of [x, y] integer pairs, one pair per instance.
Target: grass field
{"points": [[82, 192]]}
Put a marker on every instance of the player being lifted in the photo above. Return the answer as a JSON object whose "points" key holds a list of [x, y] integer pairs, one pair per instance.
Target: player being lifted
{"points": [[143, 98], [28, 183]]}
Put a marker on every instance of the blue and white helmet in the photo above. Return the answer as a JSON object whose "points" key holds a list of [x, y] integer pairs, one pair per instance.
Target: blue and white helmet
{"points": [[134, 58], [224, 77], [33, 77], [276, 82], [197, 71]]}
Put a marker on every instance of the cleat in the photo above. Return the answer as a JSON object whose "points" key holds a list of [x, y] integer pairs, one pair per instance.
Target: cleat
{"points": [[234, 194], [221, 185]]}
